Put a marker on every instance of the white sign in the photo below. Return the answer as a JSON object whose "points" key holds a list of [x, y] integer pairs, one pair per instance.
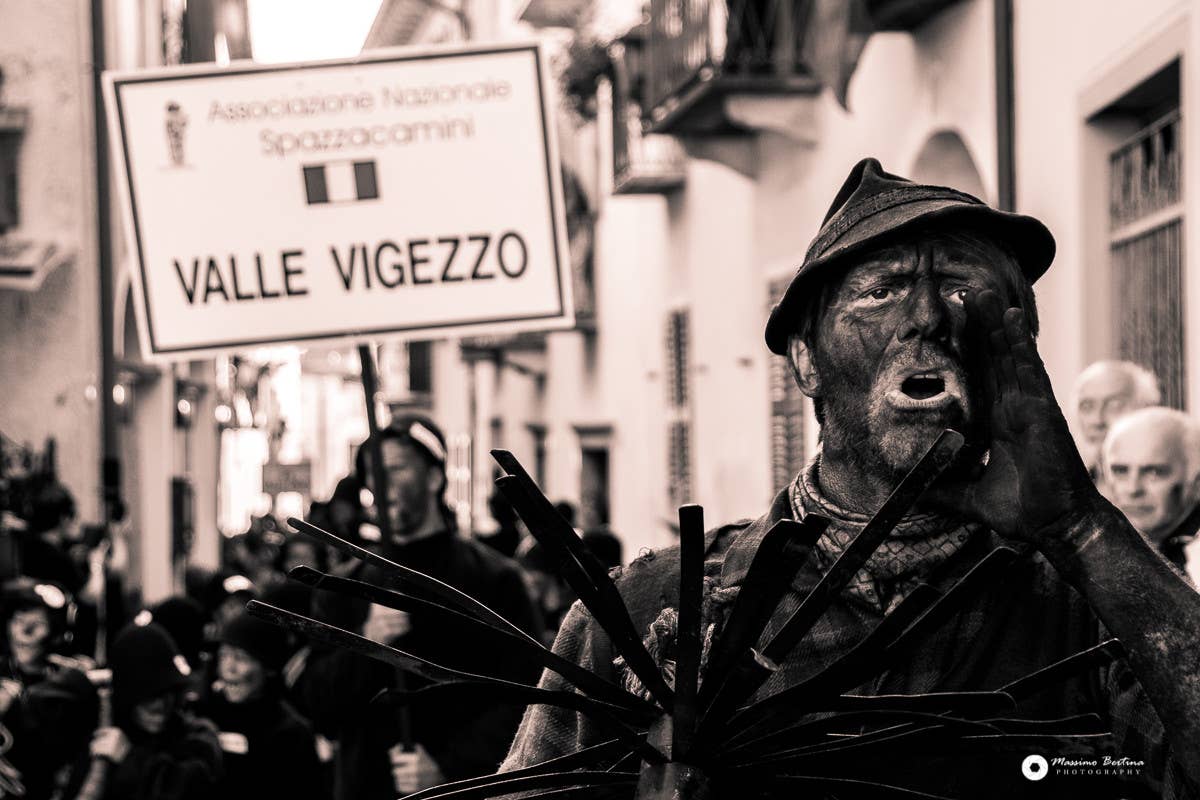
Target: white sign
{"points": [[404, 192]]}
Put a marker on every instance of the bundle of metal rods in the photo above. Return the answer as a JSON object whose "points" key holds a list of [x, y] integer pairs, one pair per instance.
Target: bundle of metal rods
{"points": [[712, 735]]}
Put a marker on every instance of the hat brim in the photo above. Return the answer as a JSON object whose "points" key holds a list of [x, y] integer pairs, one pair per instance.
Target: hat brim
{"points": [[1030, 241]]}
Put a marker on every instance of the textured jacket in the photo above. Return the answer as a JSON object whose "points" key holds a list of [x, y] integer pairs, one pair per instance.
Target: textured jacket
{"points": [[1027, 619]]}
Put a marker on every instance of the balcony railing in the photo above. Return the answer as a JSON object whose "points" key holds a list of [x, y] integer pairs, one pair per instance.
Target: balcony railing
{"points": [[702, 51], [1145, 173], [751, 45], [642, 162]]}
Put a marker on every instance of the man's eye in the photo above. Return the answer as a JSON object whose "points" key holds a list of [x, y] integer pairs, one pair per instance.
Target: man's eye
{"points": [[955, 294], [1118, 469], [880, 293]]}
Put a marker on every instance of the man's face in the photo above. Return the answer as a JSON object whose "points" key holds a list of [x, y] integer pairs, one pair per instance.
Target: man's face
{"points": [[890, 352], [1147, 469], [409, 490], [1102, 399], [28, 632], [152, 715], [242, 675]]}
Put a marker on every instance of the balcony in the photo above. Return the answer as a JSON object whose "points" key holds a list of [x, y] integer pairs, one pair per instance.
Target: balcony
{"points": [[735, 66], [643, 163], [703, 54]]}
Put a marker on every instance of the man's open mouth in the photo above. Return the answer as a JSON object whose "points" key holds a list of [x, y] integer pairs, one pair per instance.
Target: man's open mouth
{"points": [[921, 391], [923, 386]]}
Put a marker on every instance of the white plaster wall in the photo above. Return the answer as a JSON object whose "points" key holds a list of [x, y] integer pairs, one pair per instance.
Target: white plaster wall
{"points": [[714, 269], [632, 253], [1061, 47], [50, 352]]}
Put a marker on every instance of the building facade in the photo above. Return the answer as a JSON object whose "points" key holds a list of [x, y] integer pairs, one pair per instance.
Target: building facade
{"points": [[716, 142], [146, 460]]}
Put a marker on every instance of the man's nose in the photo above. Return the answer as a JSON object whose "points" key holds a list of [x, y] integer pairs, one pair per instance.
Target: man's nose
{"points": [[927, 316]]}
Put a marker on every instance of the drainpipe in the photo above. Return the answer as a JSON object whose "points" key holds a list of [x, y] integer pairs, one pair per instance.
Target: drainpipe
{"points": [[110, 449], [1006, 178]]}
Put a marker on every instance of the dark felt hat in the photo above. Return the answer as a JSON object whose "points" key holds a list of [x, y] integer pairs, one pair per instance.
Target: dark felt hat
{"points": [[873, 205], [266, 642], [145, 663], [183, 618]]}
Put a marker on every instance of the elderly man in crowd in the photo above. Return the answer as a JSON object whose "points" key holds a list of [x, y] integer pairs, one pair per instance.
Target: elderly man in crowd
{"points": [[1104, 392], [913, 312], [1151, 462]]}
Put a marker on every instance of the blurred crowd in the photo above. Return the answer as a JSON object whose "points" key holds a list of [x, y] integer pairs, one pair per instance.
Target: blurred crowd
{"points": [[102, 696]]}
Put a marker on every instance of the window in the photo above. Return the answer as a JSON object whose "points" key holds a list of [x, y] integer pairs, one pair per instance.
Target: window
{"points": [[594, 487], [787, 409], [1146, 251], [537, 435], [679, 456], [420, 367]]}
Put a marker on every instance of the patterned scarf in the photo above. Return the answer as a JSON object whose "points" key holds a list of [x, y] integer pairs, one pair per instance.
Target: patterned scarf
{"points": [[917, 545]]}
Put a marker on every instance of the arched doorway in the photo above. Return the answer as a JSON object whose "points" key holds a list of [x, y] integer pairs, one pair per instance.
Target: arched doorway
{"points": [[944, 160]]}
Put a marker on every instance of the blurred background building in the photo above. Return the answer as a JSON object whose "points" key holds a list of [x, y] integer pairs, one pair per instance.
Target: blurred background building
{"points": [[702, 141]]}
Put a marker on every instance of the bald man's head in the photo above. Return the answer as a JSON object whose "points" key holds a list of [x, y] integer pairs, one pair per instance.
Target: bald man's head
{"points": [[1152, 462], [1103, 393]]}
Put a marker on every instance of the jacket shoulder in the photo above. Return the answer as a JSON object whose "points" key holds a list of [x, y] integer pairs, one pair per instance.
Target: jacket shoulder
{"points": [[650, 582], [484, 558]]}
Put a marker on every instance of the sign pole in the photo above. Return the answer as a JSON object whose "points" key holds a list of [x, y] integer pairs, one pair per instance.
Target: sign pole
{"points": [[370, 383]]}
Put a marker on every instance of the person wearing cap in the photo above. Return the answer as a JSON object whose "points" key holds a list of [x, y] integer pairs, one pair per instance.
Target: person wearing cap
{"points": [[50, 528], [913, 312], [268, 749], [225, 595], [37, 621], [452, 738], [157, 748], [45, 695], [182, 618]]}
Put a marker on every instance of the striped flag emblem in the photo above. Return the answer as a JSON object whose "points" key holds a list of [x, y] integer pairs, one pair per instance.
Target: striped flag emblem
{"points": [[340, 182]]}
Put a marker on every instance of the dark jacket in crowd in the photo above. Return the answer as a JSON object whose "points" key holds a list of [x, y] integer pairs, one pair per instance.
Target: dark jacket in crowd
{"points": [[466, 738], [181, 762], [267, 748], [51, 725]]}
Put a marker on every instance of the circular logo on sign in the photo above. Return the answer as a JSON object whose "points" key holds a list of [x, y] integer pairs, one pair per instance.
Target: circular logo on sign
{"points": [[1035, 768]]}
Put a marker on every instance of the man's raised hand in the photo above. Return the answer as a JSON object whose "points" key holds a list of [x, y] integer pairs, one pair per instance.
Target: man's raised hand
{"points": [[1034, 483]]}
